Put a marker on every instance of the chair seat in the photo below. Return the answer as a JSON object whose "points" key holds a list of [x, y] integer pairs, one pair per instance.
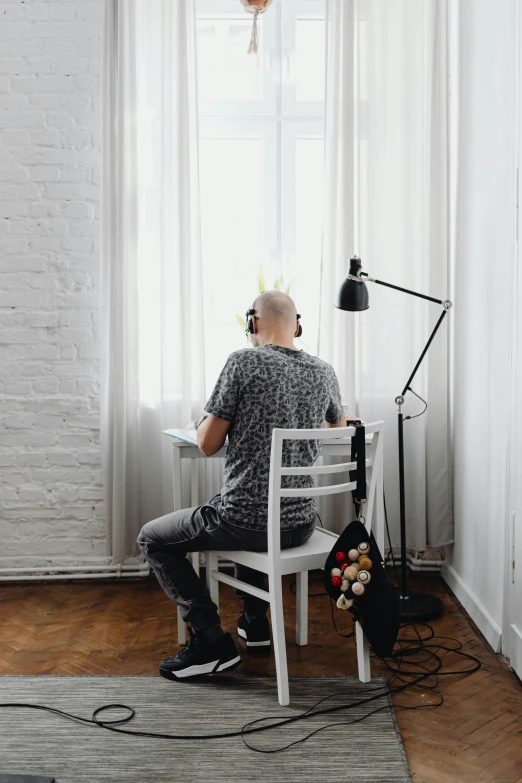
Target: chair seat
{"points": [[299, 558]]}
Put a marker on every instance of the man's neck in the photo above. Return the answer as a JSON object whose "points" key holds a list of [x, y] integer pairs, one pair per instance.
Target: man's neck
{"points": [[281, 342]]}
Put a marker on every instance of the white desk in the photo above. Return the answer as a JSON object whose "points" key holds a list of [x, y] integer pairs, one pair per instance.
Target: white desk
{"points": [[183, 449]]}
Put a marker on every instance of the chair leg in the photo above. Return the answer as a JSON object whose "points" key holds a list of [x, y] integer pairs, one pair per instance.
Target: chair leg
{"points": [[301, 608], [363, 655], [212, 584], [278, 634]]}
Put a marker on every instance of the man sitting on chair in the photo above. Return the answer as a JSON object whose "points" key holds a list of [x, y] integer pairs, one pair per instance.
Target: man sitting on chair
{"points": [[272, 385]]}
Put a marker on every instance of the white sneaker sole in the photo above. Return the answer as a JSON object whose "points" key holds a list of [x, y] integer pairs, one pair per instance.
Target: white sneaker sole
{"points": [[202, 668], [242, 634]]}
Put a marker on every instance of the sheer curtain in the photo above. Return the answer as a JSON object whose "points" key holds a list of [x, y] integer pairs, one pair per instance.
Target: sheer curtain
{"points": [[153, 352], [386, 201]]}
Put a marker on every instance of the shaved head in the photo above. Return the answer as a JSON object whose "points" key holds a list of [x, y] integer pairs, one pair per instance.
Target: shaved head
{"points": [[275, 320], [277, 309]]}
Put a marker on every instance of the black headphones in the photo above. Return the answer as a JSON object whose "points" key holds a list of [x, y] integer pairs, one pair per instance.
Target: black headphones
{"points": [[250, 323]]}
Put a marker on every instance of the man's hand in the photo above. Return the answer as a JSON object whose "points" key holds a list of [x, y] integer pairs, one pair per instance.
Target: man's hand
{"points": [[343, 422]]}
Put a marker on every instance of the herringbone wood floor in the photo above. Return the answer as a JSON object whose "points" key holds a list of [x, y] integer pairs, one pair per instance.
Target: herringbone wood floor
{"points": [[123, 628]]}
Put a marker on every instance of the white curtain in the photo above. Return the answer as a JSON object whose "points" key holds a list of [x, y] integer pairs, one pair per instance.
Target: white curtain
{"points": [[152, 336], [386, 201]]}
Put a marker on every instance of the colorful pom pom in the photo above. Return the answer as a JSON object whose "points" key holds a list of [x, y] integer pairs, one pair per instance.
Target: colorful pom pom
{"points": [[364, 548], [358, 588], [345, 584], [351, 573], [364, 563], [364, 577], [344, 566], [335, 572], [353, 554], [340, 556], [336, 581]]}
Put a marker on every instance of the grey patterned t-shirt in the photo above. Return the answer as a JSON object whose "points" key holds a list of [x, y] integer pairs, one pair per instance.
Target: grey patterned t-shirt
{"points": [[258, 390]]}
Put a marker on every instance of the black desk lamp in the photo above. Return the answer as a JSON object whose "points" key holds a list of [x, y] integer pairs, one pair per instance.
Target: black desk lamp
{"points": [[353, 297]]}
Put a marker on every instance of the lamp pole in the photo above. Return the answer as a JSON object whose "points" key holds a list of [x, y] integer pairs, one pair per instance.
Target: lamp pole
{"points": [[418, 604]]}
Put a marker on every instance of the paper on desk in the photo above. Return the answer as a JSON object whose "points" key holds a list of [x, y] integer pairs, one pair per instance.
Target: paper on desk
{"points": [[185, 434]]}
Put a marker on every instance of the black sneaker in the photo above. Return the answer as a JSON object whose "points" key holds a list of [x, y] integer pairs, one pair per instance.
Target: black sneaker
{"points": [[198, 657], [256, 633]]}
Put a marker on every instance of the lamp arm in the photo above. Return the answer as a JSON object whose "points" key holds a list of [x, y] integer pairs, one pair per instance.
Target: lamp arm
{"points": [[404, 290], [400, 400], [446, 304]]}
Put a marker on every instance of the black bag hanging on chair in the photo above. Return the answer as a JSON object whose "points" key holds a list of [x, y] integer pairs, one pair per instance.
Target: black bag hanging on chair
{"points": [[354, 573]]}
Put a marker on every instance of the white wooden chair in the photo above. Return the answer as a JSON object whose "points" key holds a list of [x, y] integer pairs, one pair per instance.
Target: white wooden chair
{"points": [[299, 560]]}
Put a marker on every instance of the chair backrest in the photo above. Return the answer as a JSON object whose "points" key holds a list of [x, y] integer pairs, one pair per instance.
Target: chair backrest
{"points": [[334, 435]]}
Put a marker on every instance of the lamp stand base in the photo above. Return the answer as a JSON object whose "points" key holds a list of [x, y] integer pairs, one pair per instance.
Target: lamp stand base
{"points": [[420, 606]]}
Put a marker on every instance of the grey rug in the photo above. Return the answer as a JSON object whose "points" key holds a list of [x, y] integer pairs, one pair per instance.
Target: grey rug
{"points": [[38, 742]]}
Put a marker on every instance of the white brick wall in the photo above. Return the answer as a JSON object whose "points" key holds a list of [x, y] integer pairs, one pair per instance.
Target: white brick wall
{"points": [[51, 498]]}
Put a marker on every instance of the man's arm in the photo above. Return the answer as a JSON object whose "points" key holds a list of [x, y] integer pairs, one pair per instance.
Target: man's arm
{"points": [[335, 407], [341, 423], [221, 408], [211, 434]]}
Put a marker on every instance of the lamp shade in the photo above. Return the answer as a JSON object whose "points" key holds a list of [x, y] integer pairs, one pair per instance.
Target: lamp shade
{"points": [[353, 294]]}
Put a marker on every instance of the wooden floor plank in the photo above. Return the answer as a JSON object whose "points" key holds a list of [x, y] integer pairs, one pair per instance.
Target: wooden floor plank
{"points": [[432, 731], [504, 760], [483, 708], [496, 726]]}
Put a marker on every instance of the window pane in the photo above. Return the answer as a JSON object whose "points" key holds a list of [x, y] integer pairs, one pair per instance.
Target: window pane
{"points": [[233, 239], [225, 71], [308, 232], [310, 60], [308, 196]]}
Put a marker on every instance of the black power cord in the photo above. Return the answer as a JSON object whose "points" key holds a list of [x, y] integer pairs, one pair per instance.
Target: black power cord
{"points": [[423, 674], [245, 730]]}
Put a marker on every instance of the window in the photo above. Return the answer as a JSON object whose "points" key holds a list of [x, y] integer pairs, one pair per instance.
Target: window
{"points": [[261, 163]]}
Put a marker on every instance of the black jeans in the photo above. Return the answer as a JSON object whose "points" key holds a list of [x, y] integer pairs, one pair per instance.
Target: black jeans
{"points": [[164, 543]]}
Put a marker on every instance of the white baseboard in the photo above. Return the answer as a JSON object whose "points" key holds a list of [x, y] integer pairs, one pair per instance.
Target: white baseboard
{"points": [[488, 626], [94, 568]]}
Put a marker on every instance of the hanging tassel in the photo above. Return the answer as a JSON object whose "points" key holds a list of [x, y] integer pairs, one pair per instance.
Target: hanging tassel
{"points": [[255, 7], [252, 49]]}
